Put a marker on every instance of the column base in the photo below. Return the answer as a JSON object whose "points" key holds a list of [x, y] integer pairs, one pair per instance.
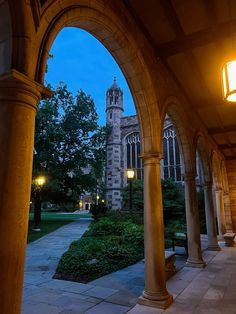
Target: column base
{"points": [[158, 301], [196, 263], [214, 248], [229, 239]]}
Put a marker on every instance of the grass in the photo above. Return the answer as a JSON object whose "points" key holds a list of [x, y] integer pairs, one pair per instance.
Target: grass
{"points": [[50, 222]]}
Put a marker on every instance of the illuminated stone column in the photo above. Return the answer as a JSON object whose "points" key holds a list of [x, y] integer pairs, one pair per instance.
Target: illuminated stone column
{"points": [[155, 292], [193, 226], [220, 212], [210, 218], [18, 103], [228, 218]]}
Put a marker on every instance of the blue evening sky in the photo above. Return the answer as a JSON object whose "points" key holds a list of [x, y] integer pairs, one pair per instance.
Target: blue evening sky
{"points": [[81, 61]]}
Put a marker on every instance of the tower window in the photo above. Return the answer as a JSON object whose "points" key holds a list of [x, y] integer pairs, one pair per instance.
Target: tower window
{"points": [[132, 154], [110, 115]]}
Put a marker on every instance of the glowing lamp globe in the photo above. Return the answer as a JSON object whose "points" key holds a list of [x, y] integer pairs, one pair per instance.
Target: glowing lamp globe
{"points": [[229, 81], [130, 173], [40, 181]]}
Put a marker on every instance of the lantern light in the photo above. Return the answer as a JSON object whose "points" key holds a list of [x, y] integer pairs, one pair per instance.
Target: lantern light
{"points": [[130, 173], [40, 180], [229, 81]]}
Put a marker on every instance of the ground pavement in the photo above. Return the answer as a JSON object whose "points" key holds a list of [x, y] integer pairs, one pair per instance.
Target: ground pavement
{"points": [[209, 290]]}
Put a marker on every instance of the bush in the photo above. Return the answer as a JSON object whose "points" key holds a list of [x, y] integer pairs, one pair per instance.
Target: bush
{"points": [[98, 210], [107, 246]]}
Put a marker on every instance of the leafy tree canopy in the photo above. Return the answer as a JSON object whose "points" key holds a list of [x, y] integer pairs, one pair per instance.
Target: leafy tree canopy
{"points": [[69, 145]]}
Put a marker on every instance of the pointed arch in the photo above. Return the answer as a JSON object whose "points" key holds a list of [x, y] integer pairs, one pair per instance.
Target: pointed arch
{"points": [[204, 154], [175, 111], [112, 29], [216, 171]]}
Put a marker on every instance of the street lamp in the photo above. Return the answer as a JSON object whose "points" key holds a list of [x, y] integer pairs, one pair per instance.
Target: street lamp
{"points": [[130, 176], [97, 199], [39, 182]]}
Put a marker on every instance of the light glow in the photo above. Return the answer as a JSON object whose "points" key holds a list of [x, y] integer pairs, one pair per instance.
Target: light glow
{"points": [[229, 81], [130, 173], [40, 181]]}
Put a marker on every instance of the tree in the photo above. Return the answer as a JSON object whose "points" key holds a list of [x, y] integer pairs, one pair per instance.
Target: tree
{"points": [[173, 199], [69, 145], [137, 195]]}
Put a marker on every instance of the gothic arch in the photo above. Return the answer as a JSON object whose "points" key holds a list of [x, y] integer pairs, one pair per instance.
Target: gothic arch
{"points": [[178, 117], [201, 148], [114, 33], [216, 171], [225, 184]]}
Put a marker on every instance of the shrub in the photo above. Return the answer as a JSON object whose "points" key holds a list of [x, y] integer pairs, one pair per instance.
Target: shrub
{"points": [[107, 246], [98, 210]]}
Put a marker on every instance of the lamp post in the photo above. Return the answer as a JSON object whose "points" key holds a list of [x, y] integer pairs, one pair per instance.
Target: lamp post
{"points": [[229, 81], [130, 176], [97, 199], [39, 182]]}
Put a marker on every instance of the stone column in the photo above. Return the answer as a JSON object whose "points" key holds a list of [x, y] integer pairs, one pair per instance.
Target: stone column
{"points": [[155, 293], [210, 218], [18, 103], [228, 218], [229, 236], [220, 212], [192, 219]]}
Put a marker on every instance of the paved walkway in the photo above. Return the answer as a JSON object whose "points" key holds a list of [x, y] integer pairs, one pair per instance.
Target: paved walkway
{"points": [[209, 290]]}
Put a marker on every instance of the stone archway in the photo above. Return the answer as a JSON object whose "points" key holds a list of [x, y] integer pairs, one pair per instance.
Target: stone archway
{"points": [[179, 119], [206, 178], [185, 137], [218, 189], [32, 35]]}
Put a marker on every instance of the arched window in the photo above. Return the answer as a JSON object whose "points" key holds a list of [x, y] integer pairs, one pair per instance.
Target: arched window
{"points": [[132, 143], [172, 162]]}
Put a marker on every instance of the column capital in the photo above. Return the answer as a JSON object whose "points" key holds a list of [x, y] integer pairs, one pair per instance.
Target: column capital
{"points": [[15, 86], [151, 158]]}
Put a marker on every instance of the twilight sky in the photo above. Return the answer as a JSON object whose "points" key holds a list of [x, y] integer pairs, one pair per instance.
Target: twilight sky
{"points": [[81, 61]]}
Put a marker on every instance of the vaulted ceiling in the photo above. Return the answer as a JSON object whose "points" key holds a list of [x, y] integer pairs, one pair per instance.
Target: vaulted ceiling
{"points": [[194, 38]]}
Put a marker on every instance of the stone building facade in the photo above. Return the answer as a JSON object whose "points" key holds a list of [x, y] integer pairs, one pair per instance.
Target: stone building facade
{"points": [[124, 148]]}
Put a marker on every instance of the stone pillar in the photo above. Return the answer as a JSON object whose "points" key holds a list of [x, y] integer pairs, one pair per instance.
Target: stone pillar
{"points": [[18, 103], [193, 226], [229, 236], [155, 293], [220, 212], [228, 218], [210, 218]]}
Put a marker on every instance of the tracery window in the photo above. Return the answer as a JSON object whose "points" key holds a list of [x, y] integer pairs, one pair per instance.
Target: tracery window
{"points": [[171, 154], [133, 149]]}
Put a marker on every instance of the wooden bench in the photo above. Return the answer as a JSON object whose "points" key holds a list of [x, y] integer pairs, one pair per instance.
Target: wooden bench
{"points": [[180, 239]]}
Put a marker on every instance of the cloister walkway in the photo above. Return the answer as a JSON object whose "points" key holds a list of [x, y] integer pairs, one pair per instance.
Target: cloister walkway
{"points": [[209, 290]]}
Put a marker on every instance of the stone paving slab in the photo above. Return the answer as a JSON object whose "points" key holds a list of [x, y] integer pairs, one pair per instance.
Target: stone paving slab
{"points": [[108, 308], [208, 290]]}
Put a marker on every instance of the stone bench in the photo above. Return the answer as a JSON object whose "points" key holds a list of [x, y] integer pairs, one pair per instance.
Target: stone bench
{"points": [[169, 264], [180, 239]]}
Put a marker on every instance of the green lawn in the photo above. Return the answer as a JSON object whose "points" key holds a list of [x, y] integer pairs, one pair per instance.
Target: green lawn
{"points": [[51, 222]]}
